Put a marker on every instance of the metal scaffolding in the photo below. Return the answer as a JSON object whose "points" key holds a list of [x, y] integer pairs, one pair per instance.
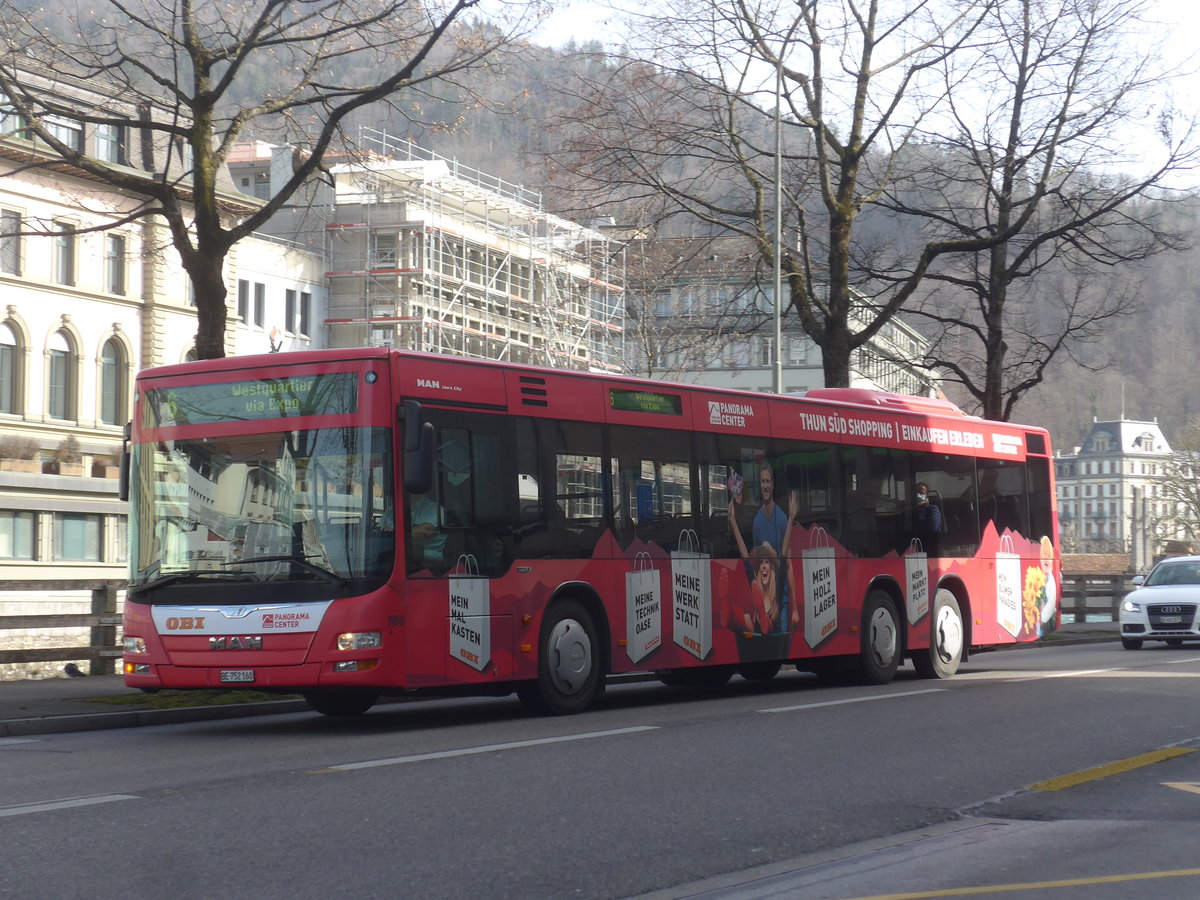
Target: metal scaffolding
{"points": [[427, 254]]}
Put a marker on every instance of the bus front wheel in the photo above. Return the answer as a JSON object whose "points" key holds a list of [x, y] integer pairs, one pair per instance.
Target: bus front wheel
{"points": [[880, 649], [946, 642], [568, 664], [342, 703]]}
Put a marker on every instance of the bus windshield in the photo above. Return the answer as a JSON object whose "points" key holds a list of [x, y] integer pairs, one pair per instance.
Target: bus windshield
{"points": [[273, 506]]}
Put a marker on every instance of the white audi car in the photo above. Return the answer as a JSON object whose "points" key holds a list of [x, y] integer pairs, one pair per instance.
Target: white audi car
{"points": [[1163, 607]]}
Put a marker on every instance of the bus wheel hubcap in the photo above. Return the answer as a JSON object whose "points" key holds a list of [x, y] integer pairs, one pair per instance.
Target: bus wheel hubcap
{"points": [[949, 635], [570, 656], [883, 637]]}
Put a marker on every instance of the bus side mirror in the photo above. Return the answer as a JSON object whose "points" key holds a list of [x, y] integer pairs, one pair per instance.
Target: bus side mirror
{"points": [[123, 472], [418, 448]]}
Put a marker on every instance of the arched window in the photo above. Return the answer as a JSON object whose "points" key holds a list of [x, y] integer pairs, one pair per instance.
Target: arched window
{"points": [[60, 399], [10, 356], [112, 383]]}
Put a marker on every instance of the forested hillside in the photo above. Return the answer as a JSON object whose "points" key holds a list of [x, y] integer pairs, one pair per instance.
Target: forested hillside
{"points": [[506, 119]]}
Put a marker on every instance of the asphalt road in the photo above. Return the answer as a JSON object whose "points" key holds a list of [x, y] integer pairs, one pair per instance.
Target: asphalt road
{"points": [[796, 788]]}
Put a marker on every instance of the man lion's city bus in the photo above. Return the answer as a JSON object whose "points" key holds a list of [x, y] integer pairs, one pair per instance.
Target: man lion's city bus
{"points": [[348, 524]]}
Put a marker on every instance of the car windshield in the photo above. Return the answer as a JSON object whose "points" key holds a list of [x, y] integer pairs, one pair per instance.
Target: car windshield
{"points": [[310, 505], [1174, 573]]}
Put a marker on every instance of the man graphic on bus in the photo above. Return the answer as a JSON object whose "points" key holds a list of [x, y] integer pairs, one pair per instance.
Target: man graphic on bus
{"points": [[768, 566]]}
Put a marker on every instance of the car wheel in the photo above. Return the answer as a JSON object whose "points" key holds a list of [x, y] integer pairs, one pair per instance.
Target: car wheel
{"points": [[1131, 643]]}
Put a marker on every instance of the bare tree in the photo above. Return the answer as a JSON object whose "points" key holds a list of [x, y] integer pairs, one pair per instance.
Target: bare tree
{"points": [[691, 119], [201, 77], [1032, 160], [692, 303]]}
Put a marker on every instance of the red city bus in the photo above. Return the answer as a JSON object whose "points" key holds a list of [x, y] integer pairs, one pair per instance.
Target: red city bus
{"points": [[352, 523]]}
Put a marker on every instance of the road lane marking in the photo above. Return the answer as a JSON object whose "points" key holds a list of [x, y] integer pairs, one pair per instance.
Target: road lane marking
{"points": [[778, 709], [1033, 885], [1076, 674], [72, 803], [1113, 768], [488, 748], [1192, 787], [8, 742]]}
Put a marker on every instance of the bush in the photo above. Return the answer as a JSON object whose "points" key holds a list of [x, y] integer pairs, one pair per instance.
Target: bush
{"points": [[12, 447]]}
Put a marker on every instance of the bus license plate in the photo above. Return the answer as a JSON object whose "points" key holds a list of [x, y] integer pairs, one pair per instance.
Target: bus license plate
{"points": [[237, 676]]}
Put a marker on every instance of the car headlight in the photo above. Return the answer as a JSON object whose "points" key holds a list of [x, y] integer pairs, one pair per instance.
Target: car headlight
{"points": [[1130, 607]]}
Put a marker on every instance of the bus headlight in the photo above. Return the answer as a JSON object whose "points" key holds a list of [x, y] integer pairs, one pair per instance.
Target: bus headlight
{"points": [[135, 645], [360, 640], [1130, 607]]}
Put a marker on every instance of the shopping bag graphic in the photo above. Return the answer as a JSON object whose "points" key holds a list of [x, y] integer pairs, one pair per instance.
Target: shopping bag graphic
{"points": [[916, 581], [691, 596], [643, 609], [820, 588], [1008, 587], [470, 615]]}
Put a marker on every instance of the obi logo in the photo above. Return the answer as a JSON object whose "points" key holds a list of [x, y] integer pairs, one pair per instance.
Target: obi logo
{"points": [[185, 623]]}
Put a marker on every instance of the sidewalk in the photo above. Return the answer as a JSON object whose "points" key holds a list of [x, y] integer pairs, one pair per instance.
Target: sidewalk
{"points": [[63, 704]]}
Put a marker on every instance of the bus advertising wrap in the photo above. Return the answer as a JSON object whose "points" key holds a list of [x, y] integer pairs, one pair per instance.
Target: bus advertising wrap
{"points": [[691, 590], [470, 617], [643, 608], [916, 581]]}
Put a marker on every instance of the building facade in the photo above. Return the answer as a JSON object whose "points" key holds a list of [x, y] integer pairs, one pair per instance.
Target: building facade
{"points": [[702, 310], [1111, 496], [423, 253]]}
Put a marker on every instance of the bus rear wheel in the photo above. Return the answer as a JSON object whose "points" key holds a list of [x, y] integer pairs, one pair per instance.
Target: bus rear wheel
{"points": [[568, 665], [342, 703], [946, 641], [880, 648]]}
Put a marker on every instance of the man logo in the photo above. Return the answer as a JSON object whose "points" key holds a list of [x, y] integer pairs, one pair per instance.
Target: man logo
{"points": [[235, 643]]}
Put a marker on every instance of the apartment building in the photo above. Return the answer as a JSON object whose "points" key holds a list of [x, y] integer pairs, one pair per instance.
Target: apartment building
{"points": [[1110, 492]]}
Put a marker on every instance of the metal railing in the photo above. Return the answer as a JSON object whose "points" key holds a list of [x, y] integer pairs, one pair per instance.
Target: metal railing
{"points": [[103, 650]]}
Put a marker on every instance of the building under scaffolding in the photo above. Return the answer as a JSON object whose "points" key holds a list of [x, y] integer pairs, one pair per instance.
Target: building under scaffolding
{"points": [[426, 254]]}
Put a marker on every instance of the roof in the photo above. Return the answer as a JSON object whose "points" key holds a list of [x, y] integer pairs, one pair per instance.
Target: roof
{"points": [[1095, 563]]}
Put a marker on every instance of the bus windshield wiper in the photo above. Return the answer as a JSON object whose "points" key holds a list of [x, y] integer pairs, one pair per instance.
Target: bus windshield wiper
{"points": [[301, 561], [176, 577]]}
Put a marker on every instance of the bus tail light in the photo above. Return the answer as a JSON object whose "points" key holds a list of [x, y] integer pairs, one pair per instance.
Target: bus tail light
{"points": [[355, 665], [360, 640]]}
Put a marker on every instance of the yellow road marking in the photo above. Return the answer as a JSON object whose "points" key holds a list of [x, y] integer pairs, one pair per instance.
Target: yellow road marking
{"points": [[1032, 885], [1114, 768]]}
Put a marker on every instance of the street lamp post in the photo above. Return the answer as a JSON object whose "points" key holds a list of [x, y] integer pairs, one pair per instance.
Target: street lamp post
{"points": [[778, 237]]}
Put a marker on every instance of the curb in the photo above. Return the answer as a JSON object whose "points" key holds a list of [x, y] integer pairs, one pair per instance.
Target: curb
{"points": [[182, 715], [140, 717]]}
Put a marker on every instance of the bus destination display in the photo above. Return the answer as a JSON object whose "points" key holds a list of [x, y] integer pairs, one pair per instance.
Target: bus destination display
{"points": [[332, 393], [646, 401]]}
